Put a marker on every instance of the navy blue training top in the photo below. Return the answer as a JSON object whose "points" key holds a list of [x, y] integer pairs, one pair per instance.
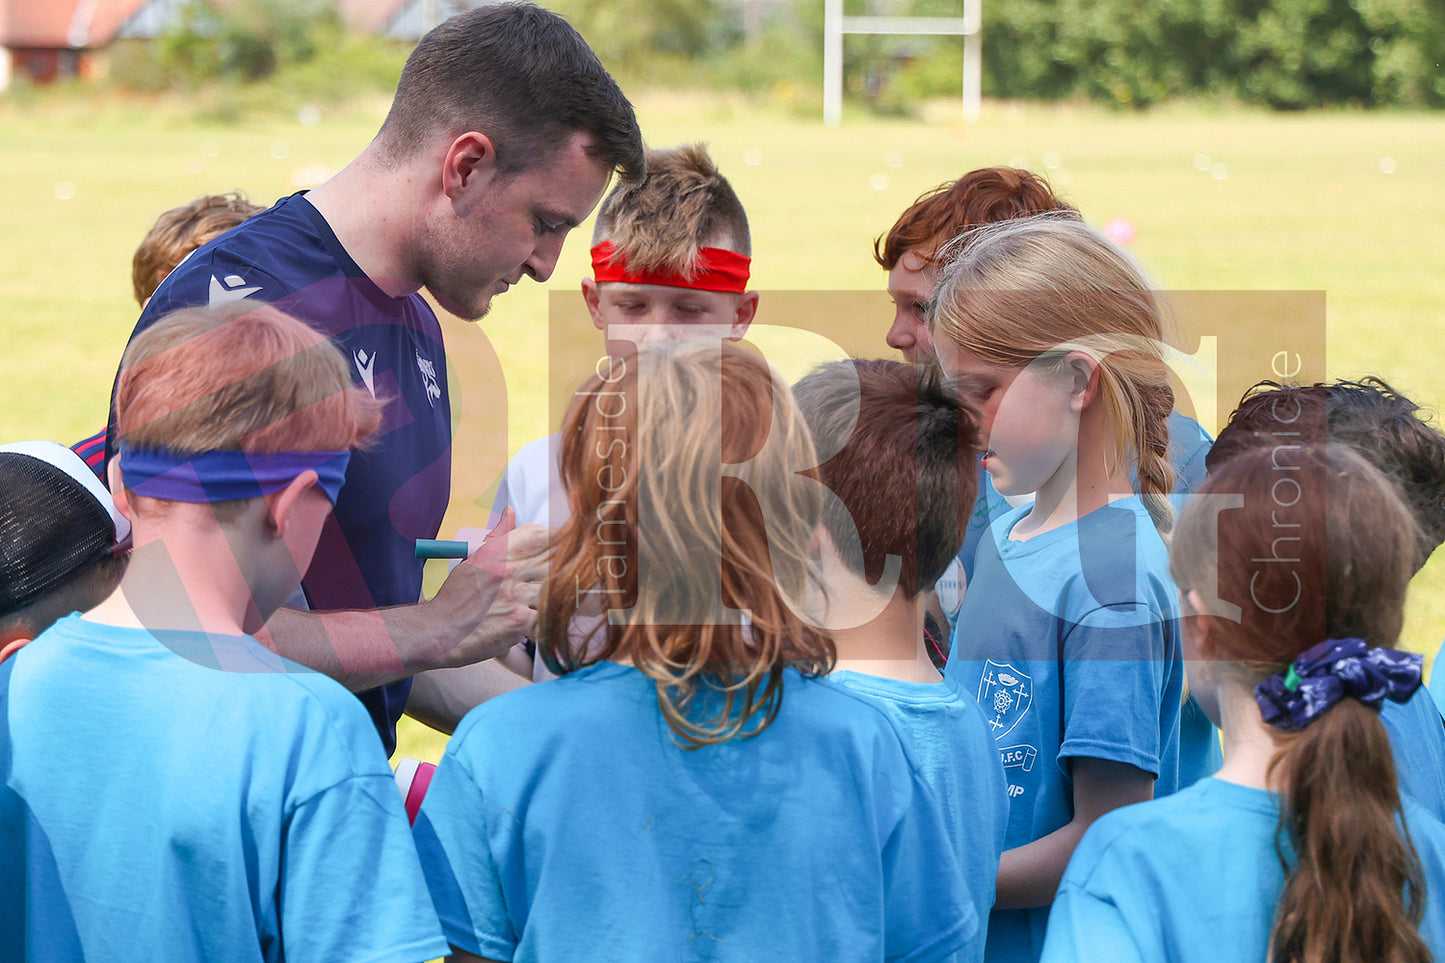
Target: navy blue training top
{"points": [[397, 488]]}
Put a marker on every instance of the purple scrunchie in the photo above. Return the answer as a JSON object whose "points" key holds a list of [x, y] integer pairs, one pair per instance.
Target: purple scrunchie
{"points": [[1328, 672]]}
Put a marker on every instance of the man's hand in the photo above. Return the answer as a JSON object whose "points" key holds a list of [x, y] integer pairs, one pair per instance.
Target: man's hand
{"points": [[487, 604], [489, 601]]}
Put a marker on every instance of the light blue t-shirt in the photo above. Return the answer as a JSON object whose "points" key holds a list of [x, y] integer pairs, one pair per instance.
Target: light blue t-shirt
{"points": [[1070, 641], [588, 834], [156, 807], [1417, 736], [1189, 445], [948, 740], [1200, 751], [1195, 878], [1437, 679], [1416, 731]]}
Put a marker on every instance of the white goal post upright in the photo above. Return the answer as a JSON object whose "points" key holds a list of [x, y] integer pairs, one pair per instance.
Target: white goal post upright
{"points": [[835, 25]]}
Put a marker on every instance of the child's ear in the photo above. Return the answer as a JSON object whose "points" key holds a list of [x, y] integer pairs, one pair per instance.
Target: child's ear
{"points": [[820, 545], [118, 494], [592, 295], [1199, 625], [282, 502], [1083, 372], [9, 645], [747, 310]]}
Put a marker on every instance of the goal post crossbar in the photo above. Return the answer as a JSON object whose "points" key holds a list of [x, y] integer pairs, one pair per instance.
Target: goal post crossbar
{"points": [[835, 26]]}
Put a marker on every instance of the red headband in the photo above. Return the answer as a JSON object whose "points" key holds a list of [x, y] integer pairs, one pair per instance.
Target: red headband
{"points": [[718, 269]]}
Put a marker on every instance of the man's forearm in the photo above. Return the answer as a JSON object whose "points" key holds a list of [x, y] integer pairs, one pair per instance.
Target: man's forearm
{"points": [[364, 649], [441, 697]]}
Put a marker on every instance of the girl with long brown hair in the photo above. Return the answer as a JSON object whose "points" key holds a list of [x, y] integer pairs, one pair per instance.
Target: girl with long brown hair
{"points": [[1292, 568], [689, 788]]}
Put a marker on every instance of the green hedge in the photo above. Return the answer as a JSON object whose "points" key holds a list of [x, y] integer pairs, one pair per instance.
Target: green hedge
{"points": [[1286, 54]]}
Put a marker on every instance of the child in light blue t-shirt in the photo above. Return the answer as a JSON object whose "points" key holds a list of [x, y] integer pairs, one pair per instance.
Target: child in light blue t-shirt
{"points": [[174, 789], [689, 789], [1068, 632], [1388, 430], [889, 427], [1303, 838]]}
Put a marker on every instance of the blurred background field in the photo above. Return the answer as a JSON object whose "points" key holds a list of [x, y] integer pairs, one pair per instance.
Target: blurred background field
{"points": [[1342, 201]]}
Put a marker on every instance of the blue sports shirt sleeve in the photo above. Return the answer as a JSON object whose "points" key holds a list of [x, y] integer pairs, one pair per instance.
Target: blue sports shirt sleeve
{"points": [[351, 886], [1119, 677], [929, 914], [454, 844], [1084, 928]]}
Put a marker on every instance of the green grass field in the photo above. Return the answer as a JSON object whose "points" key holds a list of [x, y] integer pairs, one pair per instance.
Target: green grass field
{"points": [[1344, 203]]}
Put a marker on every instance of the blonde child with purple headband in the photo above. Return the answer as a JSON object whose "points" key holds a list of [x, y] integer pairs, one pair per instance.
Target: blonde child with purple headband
{"points": [[175, 788]]}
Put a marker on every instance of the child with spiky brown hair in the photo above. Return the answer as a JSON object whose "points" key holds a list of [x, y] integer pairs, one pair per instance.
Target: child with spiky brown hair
{"points": [[669, 254]]}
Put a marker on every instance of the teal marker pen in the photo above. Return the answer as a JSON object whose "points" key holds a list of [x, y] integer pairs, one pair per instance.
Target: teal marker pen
{"points": [[440, 548]]}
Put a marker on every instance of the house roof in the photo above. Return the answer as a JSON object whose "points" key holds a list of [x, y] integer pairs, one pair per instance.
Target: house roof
{"points": [[95, 23], [402, 19], [64, 23], [369, 16]]}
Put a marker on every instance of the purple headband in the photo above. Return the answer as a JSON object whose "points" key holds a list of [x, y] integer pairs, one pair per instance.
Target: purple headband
{"points": [[222, 476], [1331, 670]]}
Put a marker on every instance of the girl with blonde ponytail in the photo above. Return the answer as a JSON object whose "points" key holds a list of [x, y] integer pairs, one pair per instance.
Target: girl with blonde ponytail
{"points": [[689, 788], [1301, 849], [1068, 631]]}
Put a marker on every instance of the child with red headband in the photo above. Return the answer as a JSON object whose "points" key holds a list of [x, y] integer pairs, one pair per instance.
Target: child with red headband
{"points": [[670, 259], [671, 253], [174, 788]]}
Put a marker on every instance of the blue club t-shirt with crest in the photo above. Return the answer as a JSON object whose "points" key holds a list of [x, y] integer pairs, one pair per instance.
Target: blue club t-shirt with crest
{"points": [[1069, 640]]}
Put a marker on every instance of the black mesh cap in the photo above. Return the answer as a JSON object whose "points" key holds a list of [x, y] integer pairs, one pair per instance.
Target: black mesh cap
{"points": [[51, 529]]}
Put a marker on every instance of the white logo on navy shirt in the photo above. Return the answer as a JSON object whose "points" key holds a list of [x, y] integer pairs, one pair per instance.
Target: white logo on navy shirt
{"points": [[364, 365], [233, 288], [429, 375]]}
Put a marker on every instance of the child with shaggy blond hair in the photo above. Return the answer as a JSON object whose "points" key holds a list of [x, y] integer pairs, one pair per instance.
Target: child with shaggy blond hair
{"points": [[173, 786]]}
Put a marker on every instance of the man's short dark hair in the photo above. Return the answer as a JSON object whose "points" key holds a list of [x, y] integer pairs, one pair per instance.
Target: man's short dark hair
{"points": [[521, 75], [1367, 415], [904, 465]]}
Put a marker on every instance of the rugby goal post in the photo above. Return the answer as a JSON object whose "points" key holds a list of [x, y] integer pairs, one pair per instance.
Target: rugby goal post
{"points": [[835, 25]]}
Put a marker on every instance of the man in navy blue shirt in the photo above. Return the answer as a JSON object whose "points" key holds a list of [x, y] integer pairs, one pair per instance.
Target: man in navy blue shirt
{"points": [[503, 134]]}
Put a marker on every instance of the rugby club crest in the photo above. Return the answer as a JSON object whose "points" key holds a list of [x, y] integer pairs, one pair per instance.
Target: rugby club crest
{"points": [[1004, 695], [429, 376]]}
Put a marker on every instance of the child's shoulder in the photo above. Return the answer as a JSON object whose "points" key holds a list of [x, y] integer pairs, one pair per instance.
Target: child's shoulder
{"points": [[850, 700], [930, 714], [597, 698], [610, 712], [1427, 832], [603, 696], [1199, 819], [289, 704], [944, 695], [219, 690], [1120, 559]]}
